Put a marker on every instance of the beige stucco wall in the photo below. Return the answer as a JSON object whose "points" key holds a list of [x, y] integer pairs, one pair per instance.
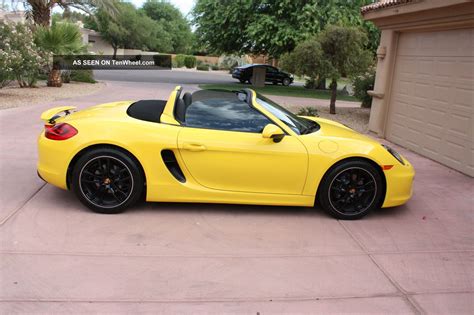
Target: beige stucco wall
{"points": [[423, 15]]}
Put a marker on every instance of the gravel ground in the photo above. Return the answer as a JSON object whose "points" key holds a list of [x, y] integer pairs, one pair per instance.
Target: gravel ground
{"points": [[348, 113], [14, 96], [355, 118]]}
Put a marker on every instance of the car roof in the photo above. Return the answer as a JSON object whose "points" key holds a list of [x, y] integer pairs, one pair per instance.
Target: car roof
{"points": [[255, 65]]}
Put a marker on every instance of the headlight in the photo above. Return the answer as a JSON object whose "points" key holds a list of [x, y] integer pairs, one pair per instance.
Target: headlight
{"points": [[394, 153]]}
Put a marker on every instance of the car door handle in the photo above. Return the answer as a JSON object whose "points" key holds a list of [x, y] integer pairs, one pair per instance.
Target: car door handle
{"points": [[194, 147]]}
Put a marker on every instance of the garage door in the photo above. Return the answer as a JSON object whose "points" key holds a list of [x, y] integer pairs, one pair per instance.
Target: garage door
{"points": [[431, 108]]}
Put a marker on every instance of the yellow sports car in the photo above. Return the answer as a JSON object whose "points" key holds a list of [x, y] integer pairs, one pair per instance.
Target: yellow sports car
{"points": [[217, 147]]}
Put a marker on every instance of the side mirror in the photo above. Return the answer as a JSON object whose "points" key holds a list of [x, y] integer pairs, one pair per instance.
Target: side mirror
{"points": [[274, 132]]}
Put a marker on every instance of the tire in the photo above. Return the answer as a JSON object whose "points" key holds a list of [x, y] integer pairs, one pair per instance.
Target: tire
{"points": [[107, 180], [286, 81], [351, 190], [242, 81]]}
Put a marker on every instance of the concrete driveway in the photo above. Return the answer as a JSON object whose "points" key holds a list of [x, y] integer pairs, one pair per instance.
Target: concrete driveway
{"points": [[58, 257]]}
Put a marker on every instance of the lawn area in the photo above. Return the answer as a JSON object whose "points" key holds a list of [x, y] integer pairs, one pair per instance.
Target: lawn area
{"points": [[296, 91]]}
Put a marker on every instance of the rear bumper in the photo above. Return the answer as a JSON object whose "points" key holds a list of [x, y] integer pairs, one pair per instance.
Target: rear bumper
{"points": [[399, 185], [53, 160]]}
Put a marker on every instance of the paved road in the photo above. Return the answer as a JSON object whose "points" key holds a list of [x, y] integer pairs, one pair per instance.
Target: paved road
{"points": [[58, 257], [164, 76]]}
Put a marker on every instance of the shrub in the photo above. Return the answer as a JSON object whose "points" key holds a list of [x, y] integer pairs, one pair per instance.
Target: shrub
{"points": [[362, 84], [229, 62], [83, 76], [179, 60], [203, 67], [174, 64], [66, 76], [308, 111], [310, 83], [214, 67], [199, 62], [20, 58], [189, 62]]}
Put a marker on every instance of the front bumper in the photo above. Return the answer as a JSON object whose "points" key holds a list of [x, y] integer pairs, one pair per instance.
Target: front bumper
{"points": [[399, 184]]}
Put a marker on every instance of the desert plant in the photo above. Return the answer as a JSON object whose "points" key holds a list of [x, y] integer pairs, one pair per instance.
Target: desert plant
{"points": [[308, 111], [83, 76], [362, 84], [59, 39], [20, 58], [189, 62], [66, 76], [203, 67]]}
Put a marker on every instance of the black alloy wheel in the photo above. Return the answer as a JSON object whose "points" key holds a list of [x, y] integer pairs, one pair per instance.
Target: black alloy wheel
{"points": [[107, 180], [351, 190]]}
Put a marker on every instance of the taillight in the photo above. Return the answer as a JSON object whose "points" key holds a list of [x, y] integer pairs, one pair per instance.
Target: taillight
{"points": [[61, 131]]}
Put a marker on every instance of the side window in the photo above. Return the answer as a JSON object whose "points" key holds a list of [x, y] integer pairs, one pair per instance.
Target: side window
{"points": [[271, 70], [225, 114]]}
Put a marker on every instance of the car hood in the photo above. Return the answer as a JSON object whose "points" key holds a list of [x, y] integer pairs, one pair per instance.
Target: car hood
{"points": [[333, 129]]}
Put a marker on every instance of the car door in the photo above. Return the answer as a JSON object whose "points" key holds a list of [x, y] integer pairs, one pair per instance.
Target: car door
{"points": [[223, 149], [271, 75]]}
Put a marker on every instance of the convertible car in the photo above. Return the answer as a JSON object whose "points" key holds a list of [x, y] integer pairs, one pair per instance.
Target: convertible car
{"points": [[217, 147]]}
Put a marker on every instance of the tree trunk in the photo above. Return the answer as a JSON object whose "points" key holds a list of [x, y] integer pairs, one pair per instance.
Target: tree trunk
{"points": [[321, 84], [54, 78], [332, 105], [41, 12], [115, 53]]}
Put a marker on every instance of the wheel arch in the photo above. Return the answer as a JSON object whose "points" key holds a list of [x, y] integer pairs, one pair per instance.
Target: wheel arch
{"points": [[76, 157], [355, 158]]}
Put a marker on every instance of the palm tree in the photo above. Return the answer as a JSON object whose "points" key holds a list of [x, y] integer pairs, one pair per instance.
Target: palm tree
{"points": [[59, 39], [40, 10]]}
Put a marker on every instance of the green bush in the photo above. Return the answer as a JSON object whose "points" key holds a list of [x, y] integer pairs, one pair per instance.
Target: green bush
{"points": [[83, 76], [174, 64], [66, 76], [20, 57], [199, 62], [203, 67], [189, 62], [214, 67], [179, 59], [362, 84], [308, 111]]}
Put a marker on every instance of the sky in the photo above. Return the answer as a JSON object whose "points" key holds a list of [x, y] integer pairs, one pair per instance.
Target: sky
{"points": [[183, 5]]}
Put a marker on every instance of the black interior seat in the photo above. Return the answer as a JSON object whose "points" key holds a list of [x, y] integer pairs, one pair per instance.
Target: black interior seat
{"points": [[182, 106], [188, 99], [180, 110]]}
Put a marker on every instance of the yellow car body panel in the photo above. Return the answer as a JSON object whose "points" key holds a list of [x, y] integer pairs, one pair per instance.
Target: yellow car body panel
{"points": [[231, 167]]}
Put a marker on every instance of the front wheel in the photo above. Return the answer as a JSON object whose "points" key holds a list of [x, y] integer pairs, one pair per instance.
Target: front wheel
{"points": [[242, 81], [351, 190], [286, 82], [107, 180]]}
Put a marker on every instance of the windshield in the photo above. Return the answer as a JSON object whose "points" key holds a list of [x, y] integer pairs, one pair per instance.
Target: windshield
{"points": [[299, 125]]}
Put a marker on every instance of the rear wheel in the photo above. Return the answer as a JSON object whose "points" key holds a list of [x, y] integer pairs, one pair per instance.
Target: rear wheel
{"points": [[242, 80], [107, 180], [351, 190]]}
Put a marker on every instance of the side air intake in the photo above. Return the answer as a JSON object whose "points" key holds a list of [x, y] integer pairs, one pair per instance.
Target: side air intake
{"points": [[172, 164]]}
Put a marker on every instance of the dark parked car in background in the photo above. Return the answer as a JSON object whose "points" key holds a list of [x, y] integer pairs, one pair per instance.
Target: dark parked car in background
{"points": [[273, 75]]}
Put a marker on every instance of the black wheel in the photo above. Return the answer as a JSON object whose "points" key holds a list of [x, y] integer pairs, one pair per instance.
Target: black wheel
{"points": [[242, 80], [286, 82], [351, 190], [107, 180]]}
